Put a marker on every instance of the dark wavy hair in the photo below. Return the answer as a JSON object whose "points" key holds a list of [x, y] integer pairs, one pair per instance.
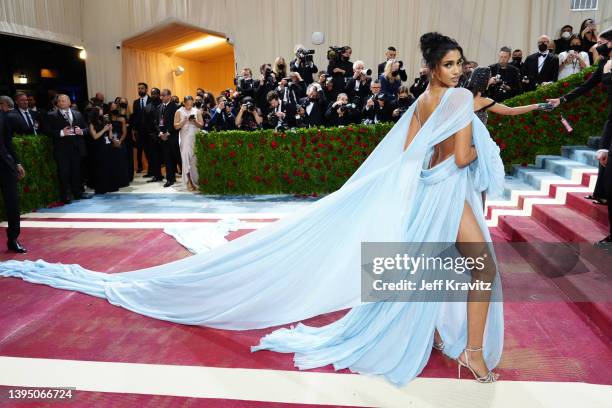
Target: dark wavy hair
{"points": [[479, 80], [434, 46]]}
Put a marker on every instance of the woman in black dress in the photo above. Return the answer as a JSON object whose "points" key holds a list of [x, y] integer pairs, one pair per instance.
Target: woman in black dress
{"points": [[100, 130], [119, 152]]}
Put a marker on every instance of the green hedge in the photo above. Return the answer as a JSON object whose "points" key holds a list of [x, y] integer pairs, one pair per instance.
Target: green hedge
{"points": [[40, 186], [522, 137], [304, 161]]}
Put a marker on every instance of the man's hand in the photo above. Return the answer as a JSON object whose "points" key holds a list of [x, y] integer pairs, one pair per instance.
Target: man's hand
{"points": [[280, 115], [554, 102], [602, 156], [396, 113], [164, 136], [79, 131], [20, 172]]}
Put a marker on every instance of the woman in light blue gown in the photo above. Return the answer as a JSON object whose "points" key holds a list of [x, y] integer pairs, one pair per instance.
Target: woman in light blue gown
{"points": [[422, 183]]}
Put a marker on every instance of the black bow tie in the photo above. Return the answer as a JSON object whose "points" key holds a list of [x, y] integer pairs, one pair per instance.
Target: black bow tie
{"points": [[543, 54]]}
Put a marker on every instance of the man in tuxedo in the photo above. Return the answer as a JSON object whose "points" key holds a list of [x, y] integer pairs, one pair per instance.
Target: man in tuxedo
{"points": [[138, 124], [540, 67], [281, 113], [341, 112], [376, 107], [304, 68], [341, 69], [68, 129], [155, 153], [22, 120], [168, 135], [314, 106], [11, 171], [391, 54]]}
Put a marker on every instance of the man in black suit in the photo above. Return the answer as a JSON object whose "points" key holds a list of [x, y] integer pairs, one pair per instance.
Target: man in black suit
{"points": [[358, 87], [341, 69], [11, 171], [281, 114], [508, 84], [23, 121], [138, 124], [314, 106], [155, 155], [540, 67], [167, 133], [68, 129], [391, 54]]}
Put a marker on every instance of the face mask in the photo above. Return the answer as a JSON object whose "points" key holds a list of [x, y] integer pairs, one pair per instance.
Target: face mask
{"points": [[198, 104], [281, 66], [141, 93], [517, 60], [123, 105], [575, 48], [566, 35], [542, 47], [603, 50], [115, 111], [394, 73]]}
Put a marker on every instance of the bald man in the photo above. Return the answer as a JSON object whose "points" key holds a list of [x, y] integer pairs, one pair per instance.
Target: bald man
{"points": [[540, 67]]}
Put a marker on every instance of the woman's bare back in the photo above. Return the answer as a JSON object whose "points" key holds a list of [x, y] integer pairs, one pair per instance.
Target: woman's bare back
{"points": [[426, 105]]}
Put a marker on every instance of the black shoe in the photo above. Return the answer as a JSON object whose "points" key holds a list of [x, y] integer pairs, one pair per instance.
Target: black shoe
{"points": [[605, 243], [155, 179], [168, 183], [15, 246], [83, 196]]}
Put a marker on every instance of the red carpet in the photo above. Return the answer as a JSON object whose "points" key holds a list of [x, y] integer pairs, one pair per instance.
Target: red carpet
{"points": [[544, 341]]}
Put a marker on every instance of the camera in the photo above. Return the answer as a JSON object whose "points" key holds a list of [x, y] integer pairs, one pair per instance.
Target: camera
{"points": [[334, 53], [192, 117], [249, 106], [347, 107], [305, 55], [106, 120]]}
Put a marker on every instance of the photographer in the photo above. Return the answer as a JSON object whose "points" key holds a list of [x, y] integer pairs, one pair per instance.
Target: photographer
{"points": [[574, 60], [304, 64], [281, 114], [266, 84], [376, 108], [280, 68], [311, 110], [248, 117], [341, 113], [289, 89], [245, 84], [588, 37], [358, 87], [390, 80], [327, 84], [340, 67], [391, 54], [402, 103], [507, 82], [222, 117], [420, 83]]}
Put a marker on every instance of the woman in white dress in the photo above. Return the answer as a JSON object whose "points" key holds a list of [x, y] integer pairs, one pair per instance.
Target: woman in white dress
{"points": [[188, 120], [574, 60]]}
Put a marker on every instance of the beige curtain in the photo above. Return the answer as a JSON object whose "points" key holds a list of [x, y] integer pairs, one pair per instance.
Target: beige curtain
{"points": [[157, 70], [264, 29]]}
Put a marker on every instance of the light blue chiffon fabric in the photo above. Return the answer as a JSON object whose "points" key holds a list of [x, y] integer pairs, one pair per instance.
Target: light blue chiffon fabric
{"points": [[308, 263]]}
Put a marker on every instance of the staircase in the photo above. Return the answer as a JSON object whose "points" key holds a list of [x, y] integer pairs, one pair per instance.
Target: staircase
{"points": [[542, 205]]}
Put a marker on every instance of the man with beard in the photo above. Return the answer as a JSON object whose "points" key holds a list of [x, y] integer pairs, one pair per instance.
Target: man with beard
{"points": [[138, 124]]}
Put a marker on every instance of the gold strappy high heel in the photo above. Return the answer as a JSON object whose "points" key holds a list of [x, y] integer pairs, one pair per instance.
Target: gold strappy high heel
{"points": [[487, 378]]}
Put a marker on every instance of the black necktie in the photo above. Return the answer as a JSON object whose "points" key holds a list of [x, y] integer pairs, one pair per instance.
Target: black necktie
{"points": [[29, 120]]}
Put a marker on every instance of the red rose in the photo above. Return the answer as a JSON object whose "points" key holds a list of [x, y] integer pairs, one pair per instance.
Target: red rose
{"points": [[250, 145], [230, 183], [301, 161], [565, 84], [26, 189], [232, 153], [211, 146], [273, 144]]}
